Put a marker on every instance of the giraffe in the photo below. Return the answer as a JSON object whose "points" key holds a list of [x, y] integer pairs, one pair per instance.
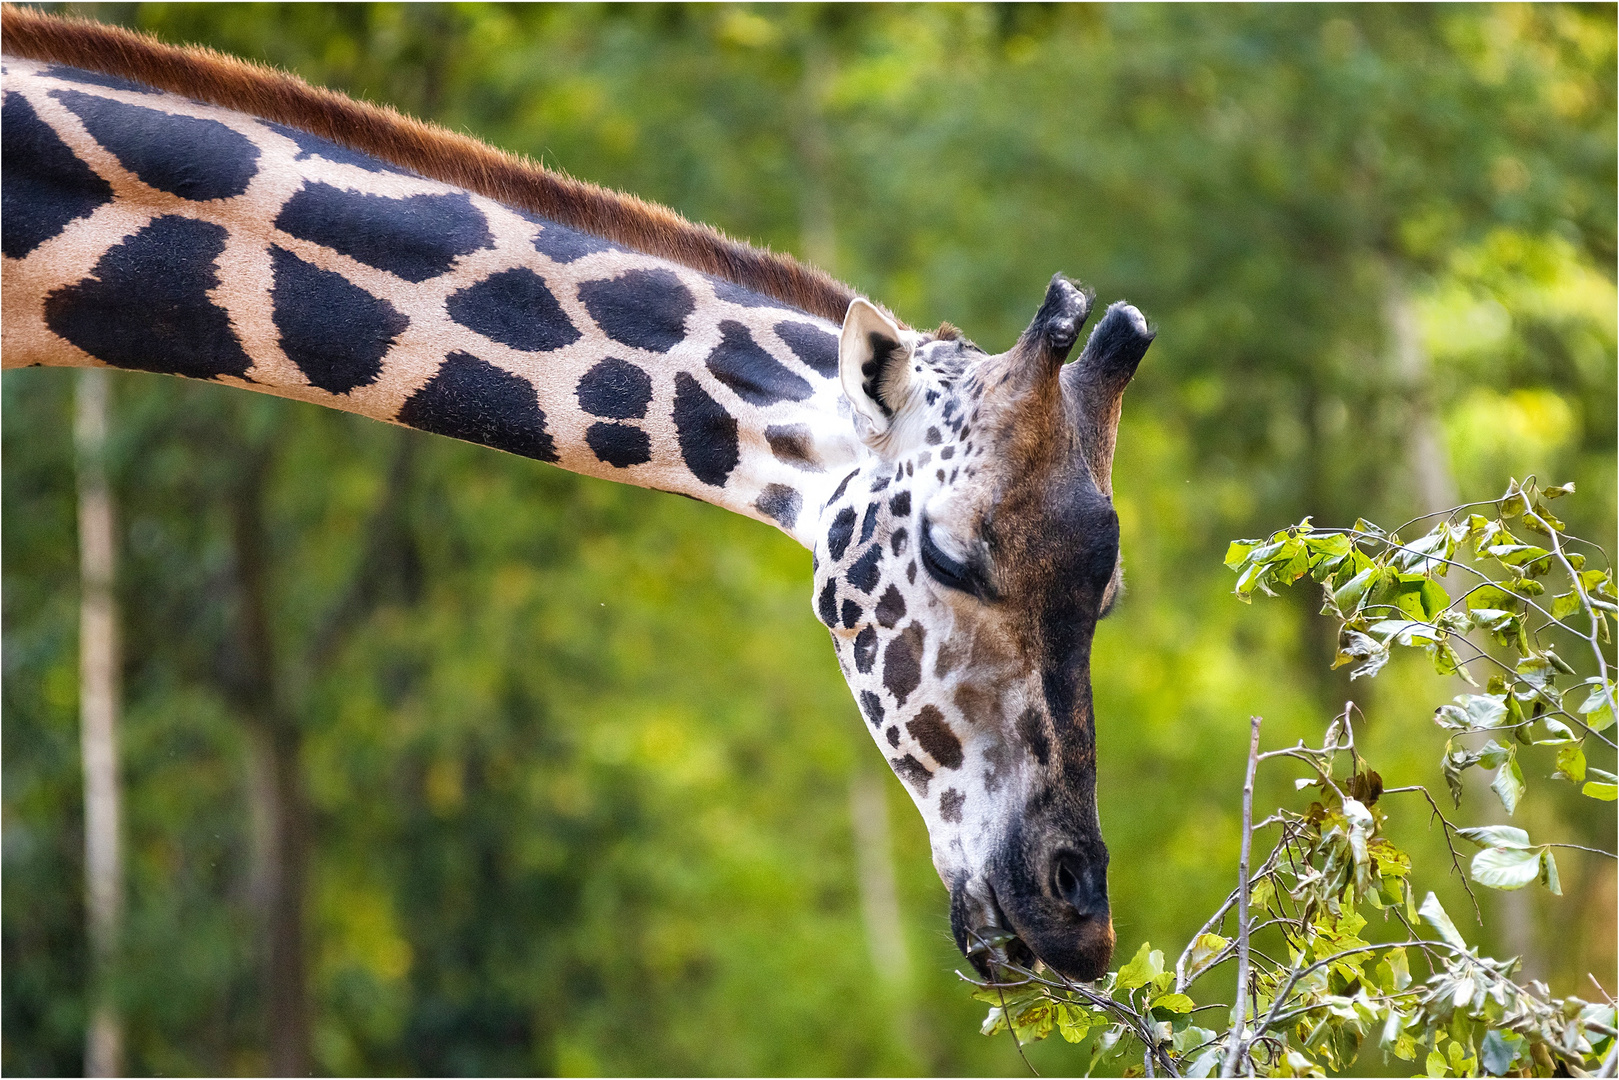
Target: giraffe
{"points": [[175, 211]]}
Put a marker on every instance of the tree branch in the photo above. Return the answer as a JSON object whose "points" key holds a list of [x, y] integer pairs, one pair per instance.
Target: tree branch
{"points": [[1240, 1010]]}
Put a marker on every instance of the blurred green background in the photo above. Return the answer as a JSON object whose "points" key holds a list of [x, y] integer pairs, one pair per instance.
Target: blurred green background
{"points": [[577, 758]]}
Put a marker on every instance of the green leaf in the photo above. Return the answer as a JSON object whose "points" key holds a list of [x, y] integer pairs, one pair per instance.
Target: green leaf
{"points": [[1474, 711], [1146, 966], [1075, 1023], [1334, 544], [1556, 493], [1399, 967], [1353, 645], [1548, 873], [1433, 913], [1175, 1003], [1348, 596], [1506, 868], [1571, 763], [1208, 946], [1497, 1052], [1238, 552], [1498, 620], [1565, 605], [1493, 754], [1248, 581], [1406, 632], [1598, 707], [1605, 792], [1508, 784], [1491, 597], [1501, 836]]}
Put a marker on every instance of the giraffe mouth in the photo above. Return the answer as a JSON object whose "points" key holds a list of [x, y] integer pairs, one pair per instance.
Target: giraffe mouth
{"points": [[992, 941]]}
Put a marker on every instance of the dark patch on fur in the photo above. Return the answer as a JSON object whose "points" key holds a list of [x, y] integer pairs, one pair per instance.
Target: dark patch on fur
{"points": [[851, 614], [515, 308], [840, 533], [732, 293], [868, 524], [45, 185], [96, 78], [707, 433], [1031, 728], [872, 706], [645, 309], [863, 573], [415, 238], [780, 503], [619, 445], [826, 606], [473, 400], [615, 389], [187, 156], [757, 377], [913, 772], [817, 348], [950, 804], [146, 306], [564, 245], [933, 734], [891, 608], [335, 331], [794, 444], [865, 650], [902, 662], [313, 146]]}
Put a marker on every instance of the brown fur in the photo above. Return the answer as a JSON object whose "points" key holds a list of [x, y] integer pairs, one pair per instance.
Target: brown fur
{"points": [[428, 149]]}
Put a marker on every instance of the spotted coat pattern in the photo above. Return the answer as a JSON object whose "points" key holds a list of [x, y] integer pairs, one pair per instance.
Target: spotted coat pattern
{"points": [[148, 231], [143, 230]]}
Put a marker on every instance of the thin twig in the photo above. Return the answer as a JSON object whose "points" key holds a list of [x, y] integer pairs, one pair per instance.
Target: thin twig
{"points": [[1579, 590], [1455, 859], [1582, 847], [1240, 1011], [1011, 1029]]}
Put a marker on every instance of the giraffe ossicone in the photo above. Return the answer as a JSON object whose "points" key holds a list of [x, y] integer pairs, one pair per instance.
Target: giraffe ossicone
{"points": [[957, 503]]}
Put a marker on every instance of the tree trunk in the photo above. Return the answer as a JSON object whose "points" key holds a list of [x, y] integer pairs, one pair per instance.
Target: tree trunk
{"points": [[98, 731], [275, 796], [879, 894]]}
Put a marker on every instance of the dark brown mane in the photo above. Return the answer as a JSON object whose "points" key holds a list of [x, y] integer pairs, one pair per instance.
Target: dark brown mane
{"points": [[432, 151]]}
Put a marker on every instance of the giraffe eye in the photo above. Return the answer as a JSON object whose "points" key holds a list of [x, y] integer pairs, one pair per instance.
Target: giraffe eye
{"points": [[951, 571]]}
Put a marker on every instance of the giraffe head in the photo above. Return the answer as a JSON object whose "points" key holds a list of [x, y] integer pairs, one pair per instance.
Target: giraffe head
{"points": [[962, 569]]}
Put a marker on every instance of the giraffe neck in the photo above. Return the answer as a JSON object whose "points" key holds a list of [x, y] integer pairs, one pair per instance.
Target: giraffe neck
{"points": [[148, 231]]}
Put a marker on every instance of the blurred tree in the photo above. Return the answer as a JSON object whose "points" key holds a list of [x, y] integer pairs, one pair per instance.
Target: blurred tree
{"points": [[576, 763], [99, 701]]}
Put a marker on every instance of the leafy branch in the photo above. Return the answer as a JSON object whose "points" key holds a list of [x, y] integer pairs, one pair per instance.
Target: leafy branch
{"points": [[1310, 990]]}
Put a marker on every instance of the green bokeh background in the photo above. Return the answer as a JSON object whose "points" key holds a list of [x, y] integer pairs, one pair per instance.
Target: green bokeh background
{"points": [[579, 770]]}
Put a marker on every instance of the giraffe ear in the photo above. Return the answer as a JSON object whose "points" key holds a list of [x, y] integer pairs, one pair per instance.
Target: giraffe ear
{"points": [[874, 363]]}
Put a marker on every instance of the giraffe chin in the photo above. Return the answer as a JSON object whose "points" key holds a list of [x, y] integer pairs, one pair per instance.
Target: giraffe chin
{"points": [[1077, 947]]}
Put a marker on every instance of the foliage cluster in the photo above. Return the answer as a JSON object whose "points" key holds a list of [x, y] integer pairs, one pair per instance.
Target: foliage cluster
{"points": [[579, 757], [1332, 868]]}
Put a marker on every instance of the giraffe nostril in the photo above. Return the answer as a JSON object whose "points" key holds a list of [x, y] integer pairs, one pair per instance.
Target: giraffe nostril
{"points": [[1079, 885]]}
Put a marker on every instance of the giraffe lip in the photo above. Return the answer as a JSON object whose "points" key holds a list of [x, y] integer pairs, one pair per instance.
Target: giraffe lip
{"points": [[996, 940]]}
